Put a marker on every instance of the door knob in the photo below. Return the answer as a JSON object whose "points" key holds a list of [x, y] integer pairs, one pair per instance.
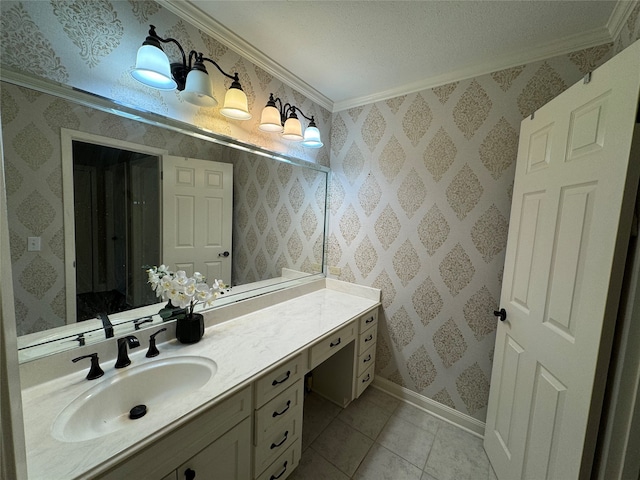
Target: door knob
{"points": [[502, 314], [223, 254]]}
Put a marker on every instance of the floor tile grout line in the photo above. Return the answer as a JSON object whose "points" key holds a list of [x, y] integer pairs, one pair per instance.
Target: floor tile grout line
{"points": [[424, 468]]}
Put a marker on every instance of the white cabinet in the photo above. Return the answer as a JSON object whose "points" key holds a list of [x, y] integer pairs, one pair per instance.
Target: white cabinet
{"points": [[278, 379], [208, 430], [257, 432], [328, 346], [366, 351], [343, 362], [278, 420], [282, 467], [227, 458]]}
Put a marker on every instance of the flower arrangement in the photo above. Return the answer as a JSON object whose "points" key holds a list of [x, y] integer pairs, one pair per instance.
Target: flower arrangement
{"points": [[182, 291]]}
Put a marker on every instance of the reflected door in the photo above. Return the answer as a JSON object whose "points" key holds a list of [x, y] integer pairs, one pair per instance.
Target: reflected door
{"points": [[197, 216], [570, 221]]}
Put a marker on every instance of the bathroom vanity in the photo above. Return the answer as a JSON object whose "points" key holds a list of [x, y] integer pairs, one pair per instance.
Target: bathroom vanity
{"points": [[230, 406]]}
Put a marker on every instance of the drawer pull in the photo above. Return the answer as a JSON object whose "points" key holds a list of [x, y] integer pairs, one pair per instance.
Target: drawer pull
{"points": [[276, 445], [368, 359], [286, 377], [369, 338], [189, 474], [277, 414], [284, 469], [365, 380], [335, 344], [369, 320]]}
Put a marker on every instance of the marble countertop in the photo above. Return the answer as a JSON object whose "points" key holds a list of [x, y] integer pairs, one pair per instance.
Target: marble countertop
{"points": [[242, 348]]}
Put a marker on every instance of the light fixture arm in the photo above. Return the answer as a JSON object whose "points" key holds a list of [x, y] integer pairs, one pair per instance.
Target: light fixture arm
{"points": [[153, 39], [180, 70], [279, 117], [287, 109], [233, 77]]}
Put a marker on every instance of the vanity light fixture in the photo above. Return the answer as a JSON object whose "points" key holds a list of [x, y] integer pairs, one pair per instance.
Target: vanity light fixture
{"points": [[190, 77], [284, 119]]}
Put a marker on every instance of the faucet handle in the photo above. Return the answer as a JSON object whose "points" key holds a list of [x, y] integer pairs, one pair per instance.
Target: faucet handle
{"points": [[95, 371], [153, 350], [137, 323]]}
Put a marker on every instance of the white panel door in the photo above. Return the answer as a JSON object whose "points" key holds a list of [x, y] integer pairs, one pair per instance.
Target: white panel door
{"points": [[570, 220], [197, 216]]}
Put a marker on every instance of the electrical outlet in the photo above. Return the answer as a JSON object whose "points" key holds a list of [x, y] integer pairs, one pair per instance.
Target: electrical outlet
{"points": [[316, 267], [335, 271], [33, 244]]}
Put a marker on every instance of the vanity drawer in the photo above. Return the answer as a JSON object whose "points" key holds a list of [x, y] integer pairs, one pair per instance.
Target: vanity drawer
{"points": [[364, 380], [278, 380], [278, 410], [365, 360], [331, 344], [368, 320], [367, 339], [276, 440], [284, 464]]}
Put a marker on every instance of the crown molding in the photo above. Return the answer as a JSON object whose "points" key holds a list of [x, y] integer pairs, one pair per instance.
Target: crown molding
{"points": [[571, 43], [619, 16], [196, 17], [563, 46]]}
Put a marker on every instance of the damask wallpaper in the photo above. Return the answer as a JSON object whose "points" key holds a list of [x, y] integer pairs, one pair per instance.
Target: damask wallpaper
{"points": [[92, 45], [278, 207], [420, 202], [421, 184]]}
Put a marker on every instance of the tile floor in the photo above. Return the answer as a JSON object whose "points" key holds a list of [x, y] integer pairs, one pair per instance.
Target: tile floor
{"points": [[380, 437]]}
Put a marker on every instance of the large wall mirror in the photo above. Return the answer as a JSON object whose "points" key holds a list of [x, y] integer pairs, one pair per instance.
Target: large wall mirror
{"points": [[87, 196]]}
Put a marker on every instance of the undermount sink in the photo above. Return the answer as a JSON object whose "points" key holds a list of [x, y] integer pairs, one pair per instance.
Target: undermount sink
{"points": [[106, 407]]}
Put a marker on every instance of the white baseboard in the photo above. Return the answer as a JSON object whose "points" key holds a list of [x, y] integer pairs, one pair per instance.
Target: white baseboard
{"points": [[448, 414]]}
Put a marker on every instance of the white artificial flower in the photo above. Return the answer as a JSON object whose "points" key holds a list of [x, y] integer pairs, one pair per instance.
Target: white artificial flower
{"points": [[189, 288], [181, 277], [183, 291], [198, 277]]}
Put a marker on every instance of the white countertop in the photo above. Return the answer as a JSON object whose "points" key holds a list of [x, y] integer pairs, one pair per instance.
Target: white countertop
{"points": [[242, 348]]}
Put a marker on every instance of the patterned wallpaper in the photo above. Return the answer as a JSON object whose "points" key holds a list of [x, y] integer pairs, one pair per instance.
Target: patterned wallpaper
{"points": [[278, 207], [421, 184], [92, 45], [630, 31], [279, 218], [420, 202]]}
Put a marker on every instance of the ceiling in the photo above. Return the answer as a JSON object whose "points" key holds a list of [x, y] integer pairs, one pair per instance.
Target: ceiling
{"points": [[343, 54]]}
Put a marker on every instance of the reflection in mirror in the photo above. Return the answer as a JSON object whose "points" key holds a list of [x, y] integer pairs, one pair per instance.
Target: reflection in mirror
{"points": [[278, 220], [116, 205]]}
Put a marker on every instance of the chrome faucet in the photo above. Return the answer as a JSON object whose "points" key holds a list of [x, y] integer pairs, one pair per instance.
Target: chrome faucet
{"points": [[123, 358]]}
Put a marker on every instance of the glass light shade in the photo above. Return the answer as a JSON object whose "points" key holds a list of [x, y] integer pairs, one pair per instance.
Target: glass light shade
{"points": [[153, 69], [198, 89], [292, 130], [312, 138], [235, 105], [270, 120]]}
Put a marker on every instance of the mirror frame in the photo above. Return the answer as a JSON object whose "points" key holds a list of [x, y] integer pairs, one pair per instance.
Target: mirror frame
{"points": [[93, 333]]}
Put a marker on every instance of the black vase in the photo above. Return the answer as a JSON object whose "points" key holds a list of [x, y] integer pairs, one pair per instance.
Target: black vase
{"points": [[190, 328]]}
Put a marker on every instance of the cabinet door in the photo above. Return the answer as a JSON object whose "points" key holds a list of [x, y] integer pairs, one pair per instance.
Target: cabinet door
{"points": [[228, 458]]}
